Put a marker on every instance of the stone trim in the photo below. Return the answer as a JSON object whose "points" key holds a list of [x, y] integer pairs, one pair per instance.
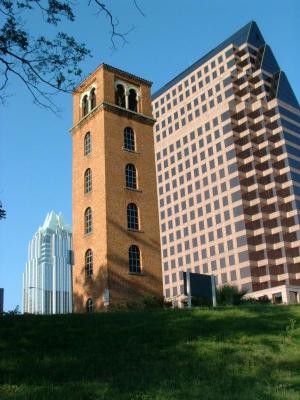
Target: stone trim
{"points": [[116, 110]]}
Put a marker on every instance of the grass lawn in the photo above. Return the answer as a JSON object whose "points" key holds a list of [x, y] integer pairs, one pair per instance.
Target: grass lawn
{"points": [[242, 353]]}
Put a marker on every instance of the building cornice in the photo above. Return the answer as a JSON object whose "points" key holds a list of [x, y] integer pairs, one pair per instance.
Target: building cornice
{"points": [[118, 71], [116, 110]]}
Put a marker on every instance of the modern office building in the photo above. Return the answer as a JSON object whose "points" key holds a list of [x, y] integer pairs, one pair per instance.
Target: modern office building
{"points": [[115, 215], [47, 280], [227, 144]]}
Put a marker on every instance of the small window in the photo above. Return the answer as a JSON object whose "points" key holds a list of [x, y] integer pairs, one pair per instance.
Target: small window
{"points": [[132, 216], [134, 259], [88, 181], [88, 220], [93, 98], [89, 263], [120, 96], [87, 144], [89, 305], [129, 142], [130, 175], [132, 100]]}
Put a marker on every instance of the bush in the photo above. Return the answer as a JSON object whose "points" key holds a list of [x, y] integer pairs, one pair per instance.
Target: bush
{"points": [[132, 305], [198, 302], [229, 295], [252, 300], [168, 304], [153, 302]]}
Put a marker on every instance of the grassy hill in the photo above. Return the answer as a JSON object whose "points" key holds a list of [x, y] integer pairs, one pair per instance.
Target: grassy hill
{"points": [[240, 353]]}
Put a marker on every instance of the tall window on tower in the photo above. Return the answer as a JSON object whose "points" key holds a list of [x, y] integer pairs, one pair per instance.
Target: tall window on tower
{"points": [[134, 259], [132, 100], [89, 263], [87, 143], [120, 96], [85, 105], [130, 176], [127, 95], [89, 305], [88, 220], [88, 180], [132, 216], [93, 98], [129, 142]]}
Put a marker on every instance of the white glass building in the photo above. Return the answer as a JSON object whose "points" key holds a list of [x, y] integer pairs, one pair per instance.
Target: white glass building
{"points": [[47, 280]]}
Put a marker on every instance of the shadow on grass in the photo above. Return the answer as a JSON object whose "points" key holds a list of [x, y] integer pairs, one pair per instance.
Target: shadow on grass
{"points": [[227, 353]]}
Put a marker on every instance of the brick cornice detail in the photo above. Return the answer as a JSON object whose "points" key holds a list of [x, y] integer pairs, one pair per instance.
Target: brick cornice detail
{"points": [[116, 110]]}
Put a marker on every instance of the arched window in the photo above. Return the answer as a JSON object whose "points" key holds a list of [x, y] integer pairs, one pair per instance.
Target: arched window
{"points": [[87, 144], [129, 143], [89, 305], [93, 98], [130, 174], [85, 105], [132, 100], [89, 262], [120, 96], [88, 180], [134, 259], [88, 220], [132, 216]]}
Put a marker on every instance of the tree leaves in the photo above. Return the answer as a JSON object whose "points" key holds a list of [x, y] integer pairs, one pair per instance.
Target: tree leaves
{"points": [[43, 64]]}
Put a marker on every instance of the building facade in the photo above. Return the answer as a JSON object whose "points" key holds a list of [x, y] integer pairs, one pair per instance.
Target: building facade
{"points": [[227, 144], [47, 280], [115, 214]]}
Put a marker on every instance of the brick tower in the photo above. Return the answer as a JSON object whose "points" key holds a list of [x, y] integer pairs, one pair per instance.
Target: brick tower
{"points": [[115, 217]]}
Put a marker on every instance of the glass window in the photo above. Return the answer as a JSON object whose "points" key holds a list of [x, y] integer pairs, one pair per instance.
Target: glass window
{"points": [[243, 256], [227, 81], [88, 181], [89, 263], [88, 220], [130, 176], [132, 216], [89, 305], [87, 143], [129, 141], [134, 259]]}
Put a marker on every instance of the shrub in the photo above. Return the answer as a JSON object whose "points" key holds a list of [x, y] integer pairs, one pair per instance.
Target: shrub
{"points": [[132, 305], [168, 304], [252, 300], [229, 295], [152, 301], [198, 302]]}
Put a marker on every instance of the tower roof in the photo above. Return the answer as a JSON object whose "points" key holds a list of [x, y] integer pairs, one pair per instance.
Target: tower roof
{"points": [[250, 33], [128, 75], [54, 221]]}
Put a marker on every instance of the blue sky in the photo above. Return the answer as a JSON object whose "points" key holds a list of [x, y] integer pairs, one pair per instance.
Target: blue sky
{"points": [[35, 145]]}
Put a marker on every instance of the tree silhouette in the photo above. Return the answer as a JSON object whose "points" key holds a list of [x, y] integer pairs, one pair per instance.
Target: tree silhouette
{"points": [[45, 65], [2, 212]]}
